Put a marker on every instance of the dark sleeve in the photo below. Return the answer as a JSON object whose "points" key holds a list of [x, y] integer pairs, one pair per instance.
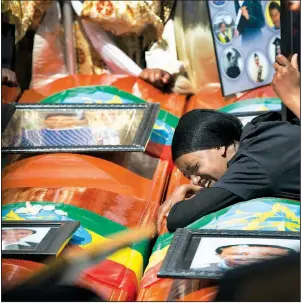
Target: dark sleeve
{"points": [[256, 15], [204, 202], [237, 6], [8, 46], [247, 179]]}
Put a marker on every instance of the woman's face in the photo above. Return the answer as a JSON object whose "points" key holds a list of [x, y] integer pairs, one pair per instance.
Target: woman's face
{"points": [[275, 16], [203, 167], [223, 27]]}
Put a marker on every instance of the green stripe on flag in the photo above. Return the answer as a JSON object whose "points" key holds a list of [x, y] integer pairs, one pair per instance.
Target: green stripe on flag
{"points": [[88, 220]]}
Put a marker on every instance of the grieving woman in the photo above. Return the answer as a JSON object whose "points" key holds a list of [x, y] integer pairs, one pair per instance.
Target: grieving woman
{"points": [[227, 163]]}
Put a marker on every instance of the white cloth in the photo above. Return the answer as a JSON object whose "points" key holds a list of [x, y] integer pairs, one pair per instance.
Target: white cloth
{"points": [[165, 57], [256, 71], [239, 13], [116, 60], [48, 49]]}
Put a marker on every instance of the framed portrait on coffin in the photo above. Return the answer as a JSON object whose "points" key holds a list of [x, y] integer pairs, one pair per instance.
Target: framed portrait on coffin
{"points": [[80, 128], [210, 254], [35, 240]]}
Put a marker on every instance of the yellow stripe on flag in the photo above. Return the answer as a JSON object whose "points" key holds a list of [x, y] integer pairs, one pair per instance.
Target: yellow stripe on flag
{"points": [[127, 257]]}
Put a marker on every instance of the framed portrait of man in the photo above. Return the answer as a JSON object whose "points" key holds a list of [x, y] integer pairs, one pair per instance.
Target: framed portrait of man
{"points": [[77, 128], [210, 253], [35, 240]]}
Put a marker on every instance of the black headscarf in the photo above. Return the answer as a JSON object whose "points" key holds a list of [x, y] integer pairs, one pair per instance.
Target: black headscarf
{"points": [[202, 129]]}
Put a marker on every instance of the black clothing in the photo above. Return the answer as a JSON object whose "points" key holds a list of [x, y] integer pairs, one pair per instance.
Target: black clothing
{"points": [[256, 18], [204, 202], [189, 125], [49, 293], [233, 71], [267, 164], [259, 79], [8, 46], [276, 280]]}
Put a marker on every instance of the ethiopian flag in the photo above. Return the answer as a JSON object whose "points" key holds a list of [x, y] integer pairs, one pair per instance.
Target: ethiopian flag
{"points": [[120, 274]]}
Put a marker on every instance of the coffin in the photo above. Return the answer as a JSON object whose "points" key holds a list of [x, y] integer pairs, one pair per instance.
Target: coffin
{"points": [[269, 214], [172, 103], [106, 197]]}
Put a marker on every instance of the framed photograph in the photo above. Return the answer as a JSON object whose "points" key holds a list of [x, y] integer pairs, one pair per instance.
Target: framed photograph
{"points": [[35, 240], [245, 51], [210, 253], [78, 128]]}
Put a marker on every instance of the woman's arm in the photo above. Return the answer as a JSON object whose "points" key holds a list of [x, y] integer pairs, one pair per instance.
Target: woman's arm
{"points": [[206, 201]]}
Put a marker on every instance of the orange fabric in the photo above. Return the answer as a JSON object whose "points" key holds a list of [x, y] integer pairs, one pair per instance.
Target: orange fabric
{"points": [[112, 275], [210, 98], [71, 170], [201, 290], [156, 292], [9, 94], [176, 179], [15, 271], [91, 183], [31, 96], [203, 295], [261, 92], [125, 210], [153, 288], [173, 103]]}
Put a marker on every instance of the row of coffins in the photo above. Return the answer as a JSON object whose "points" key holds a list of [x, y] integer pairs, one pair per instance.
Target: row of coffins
{"points": [[106, 193]]}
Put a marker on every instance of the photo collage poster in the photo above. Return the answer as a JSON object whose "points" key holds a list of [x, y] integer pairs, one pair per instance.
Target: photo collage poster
{"points": [[247, 41]]}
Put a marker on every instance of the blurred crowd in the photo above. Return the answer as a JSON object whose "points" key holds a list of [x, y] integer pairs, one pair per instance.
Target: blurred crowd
{"points": [[164, 39], [167, 43]]}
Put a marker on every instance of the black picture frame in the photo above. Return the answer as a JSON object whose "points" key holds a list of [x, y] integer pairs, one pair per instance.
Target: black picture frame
{"points": [[219, 65], [138, 144], [50, 246], [177, 263]]}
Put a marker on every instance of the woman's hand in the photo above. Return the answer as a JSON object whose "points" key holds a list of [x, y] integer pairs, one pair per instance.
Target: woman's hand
{"points": [[181, 193], [286, 82]]}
